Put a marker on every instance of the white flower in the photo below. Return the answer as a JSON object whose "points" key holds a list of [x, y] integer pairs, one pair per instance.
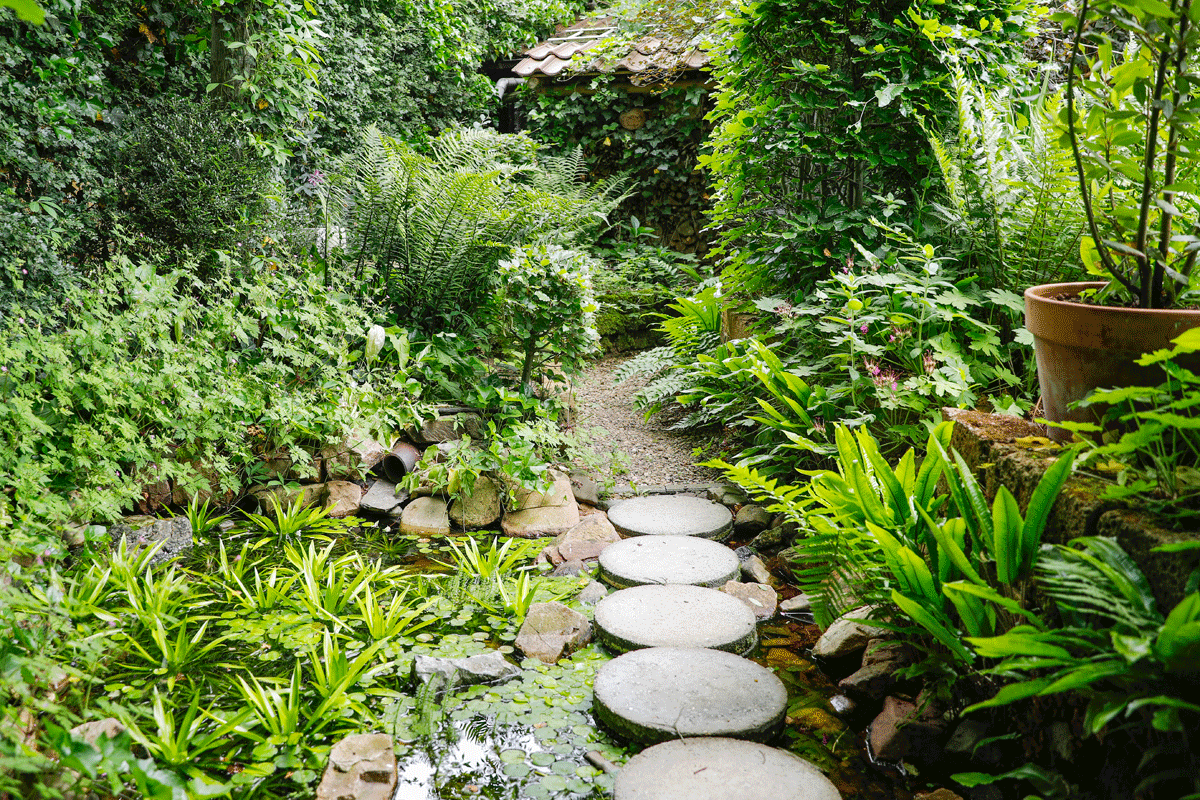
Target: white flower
{"points": [[375, 339]]}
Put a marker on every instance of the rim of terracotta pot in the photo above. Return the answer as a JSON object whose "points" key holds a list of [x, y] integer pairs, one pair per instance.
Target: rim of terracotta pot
{"points": [[1084, 325]]}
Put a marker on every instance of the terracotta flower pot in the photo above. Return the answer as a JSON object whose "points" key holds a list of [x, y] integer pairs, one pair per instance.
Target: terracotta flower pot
{"points": [[1081, 347]]}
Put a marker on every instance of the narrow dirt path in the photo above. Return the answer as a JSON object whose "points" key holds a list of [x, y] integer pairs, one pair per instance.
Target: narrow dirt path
{"points": [[653, 455]]}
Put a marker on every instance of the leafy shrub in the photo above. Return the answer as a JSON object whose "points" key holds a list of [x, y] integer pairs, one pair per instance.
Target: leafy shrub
{"points": [[433, 230], [546, 307], [1157, 452], [1011, 202], [803, 156], [185, 176], [144, 377], [885, 342], [1136, 668]]}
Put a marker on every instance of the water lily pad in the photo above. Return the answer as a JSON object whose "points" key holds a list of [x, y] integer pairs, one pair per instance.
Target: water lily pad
{"points": [[553, 783], [543, 759]]}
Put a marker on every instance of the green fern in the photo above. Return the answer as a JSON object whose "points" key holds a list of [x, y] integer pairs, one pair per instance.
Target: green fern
{"points": [[428, 233], [1010, 191]]}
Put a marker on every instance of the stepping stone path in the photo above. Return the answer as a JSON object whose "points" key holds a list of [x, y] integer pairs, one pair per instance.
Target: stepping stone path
{"points": [[667, 559], [663, 693], [671, 515], [677, 615], [681, 679], [720, 769]]}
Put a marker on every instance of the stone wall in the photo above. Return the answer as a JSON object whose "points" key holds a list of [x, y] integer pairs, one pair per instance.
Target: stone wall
{"points": [[1012, 452]]}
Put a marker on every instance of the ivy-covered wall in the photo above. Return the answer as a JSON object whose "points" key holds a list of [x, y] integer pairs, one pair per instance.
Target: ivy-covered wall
{"points": [[653, 134]]}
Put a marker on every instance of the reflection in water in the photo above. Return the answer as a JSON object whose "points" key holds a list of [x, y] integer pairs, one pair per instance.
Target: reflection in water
{"points": [[463, 760]]}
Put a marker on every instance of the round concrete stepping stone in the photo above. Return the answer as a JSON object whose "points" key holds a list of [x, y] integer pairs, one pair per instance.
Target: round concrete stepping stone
{"points": [[663, 693], [714, 768], [667, 559], [674, 616], [671, 515]]}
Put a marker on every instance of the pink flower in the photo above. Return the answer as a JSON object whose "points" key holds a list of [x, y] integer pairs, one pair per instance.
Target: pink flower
{"points": [[863, 328]]}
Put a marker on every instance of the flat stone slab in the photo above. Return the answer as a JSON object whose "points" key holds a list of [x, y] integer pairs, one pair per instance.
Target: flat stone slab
{"points": [[714, 768], [663, 693], [671, 515], [674, 616], [667, 559]]}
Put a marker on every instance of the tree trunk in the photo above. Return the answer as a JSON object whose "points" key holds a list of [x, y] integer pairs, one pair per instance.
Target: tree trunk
{"points": [[228, 66]]}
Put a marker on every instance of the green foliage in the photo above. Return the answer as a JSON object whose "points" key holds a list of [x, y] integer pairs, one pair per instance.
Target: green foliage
{"points": [[184, 177], [660, 157], [410, 67], [885, 341], [546, 308], [882, 535], [145, 377], [816, 122], [1158, 450], [435, 229], [1136, 668], [295, 519], [1011, 199], [1136, 177]]}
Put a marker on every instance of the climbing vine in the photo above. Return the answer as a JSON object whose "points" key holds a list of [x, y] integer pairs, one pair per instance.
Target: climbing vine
{"points": [[816, 122], [660, 153]]}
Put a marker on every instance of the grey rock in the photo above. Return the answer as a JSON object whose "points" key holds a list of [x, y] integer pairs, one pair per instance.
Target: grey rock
{"points": [[551, 631], [175, 534], [880, 650], [587, 539], [1062, 742], [744, 554], [722, 492], [750, 520], [662, 693], [425, 516], [490, 668], [532, 523], [448, 428], [842, 705], [671, 515], [90, 732], [560, 493], [798, 604], [642, 560], [575, 567], [754, 569], [593, 593], [774, 539], [585, 489], [872, 682], [342, 498], [357, 455], [718, 768], [381, 500], [761, 598], [904, 730], [479, 510], [361, 767], [674, 616], [966, 737], [848, 634]]}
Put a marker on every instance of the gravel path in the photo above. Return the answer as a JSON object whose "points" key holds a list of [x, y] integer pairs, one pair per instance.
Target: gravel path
{"points": [[654, 456]]}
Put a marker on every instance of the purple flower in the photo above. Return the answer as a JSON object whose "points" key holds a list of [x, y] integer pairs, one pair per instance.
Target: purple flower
{"points": [[863, 328]]}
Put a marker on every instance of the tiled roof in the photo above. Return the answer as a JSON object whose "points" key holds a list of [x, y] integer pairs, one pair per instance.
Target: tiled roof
{"points": [[572, 44]]}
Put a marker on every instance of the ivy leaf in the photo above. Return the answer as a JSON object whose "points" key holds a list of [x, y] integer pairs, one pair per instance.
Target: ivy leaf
{"points": [[27, 10]]}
